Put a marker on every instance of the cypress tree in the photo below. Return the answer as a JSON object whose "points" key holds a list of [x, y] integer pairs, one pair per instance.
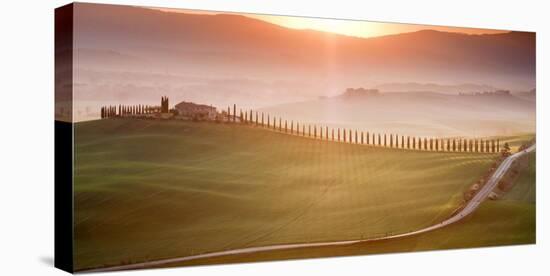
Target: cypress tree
{"points": [[326, 131], [285, 127], [338, 134], [268, 121], [234, 112], [368, 137], [332, 131], [362, 139], [314, 131], [262, 119], [425, 143], [408, 142], [356, 136], [292, 127], [303, 130], [385, 140], [345, 140], [280, 123], [350, 136], [481, 146], [391, 140], [436, 144], [498, 145]]}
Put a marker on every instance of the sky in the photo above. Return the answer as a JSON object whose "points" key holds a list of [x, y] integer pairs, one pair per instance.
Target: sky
{"points": [[357, 28]]}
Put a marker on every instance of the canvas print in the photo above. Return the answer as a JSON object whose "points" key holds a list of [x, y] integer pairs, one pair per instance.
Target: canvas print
{"points": [[205, 137]]}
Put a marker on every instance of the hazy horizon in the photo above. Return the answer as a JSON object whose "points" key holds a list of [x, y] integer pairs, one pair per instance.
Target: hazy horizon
{"points": [[349, 27], [132, 55]]}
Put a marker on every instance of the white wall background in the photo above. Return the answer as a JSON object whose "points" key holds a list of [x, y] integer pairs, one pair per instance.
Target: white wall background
{"points": [[26, 136]]}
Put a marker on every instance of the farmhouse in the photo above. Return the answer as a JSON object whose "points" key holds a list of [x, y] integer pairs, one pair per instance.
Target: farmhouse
{"points": [[196, 111]]}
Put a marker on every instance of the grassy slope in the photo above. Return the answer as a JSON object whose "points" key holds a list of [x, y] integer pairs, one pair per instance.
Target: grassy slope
{"points": [[515, 141], [151, 190], [509, 221]]}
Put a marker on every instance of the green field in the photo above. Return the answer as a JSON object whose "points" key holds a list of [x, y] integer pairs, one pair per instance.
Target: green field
{"points": [[508, 221], [514, 141], [147, 190]]}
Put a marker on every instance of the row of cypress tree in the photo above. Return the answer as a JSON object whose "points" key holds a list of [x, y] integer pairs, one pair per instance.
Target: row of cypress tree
{"points": [[124, 110], [361, 137]]}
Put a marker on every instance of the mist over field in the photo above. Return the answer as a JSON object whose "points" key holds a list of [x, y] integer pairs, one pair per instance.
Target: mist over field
{"points": [[131, 55], [417, 113]]}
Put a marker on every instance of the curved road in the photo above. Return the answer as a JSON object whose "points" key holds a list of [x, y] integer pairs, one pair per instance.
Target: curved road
{"points": [[470, 207]]}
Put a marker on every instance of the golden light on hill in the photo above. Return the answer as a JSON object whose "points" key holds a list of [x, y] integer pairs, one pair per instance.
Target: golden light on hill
{"points": [[357, 28]]}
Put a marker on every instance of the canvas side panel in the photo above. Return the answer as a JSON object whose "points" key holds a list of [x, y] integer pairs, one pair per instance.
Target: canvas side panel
{"points": [[64, 238]]}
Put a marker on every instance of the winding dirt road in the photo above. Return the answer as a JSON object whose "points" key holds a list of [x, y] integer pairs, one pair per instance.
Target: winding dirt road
{"points": [[470, 207]]}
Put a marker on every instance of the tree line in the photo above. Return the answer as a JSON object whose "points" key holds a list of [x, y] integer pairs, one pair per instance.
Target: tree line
{"points": [[126, 110], [355, 136]]}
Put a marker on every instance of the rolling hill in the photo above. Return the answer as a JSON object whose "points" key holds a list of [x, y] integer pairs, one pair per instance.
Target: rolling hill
{"points": [[417, 113], [147, 189], [125, 53]]}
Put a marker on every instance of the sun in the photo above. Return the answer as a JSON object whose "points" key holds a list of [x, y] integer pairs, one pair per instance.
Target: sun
{"points": [[345, 27]]}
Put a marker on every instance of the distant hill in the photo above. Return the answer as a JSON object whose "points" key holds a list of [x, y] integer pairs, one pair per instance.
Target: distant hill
{"points": [[417, 113], [224, 43], [530, 95], [131, 54], [434, 87]]}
